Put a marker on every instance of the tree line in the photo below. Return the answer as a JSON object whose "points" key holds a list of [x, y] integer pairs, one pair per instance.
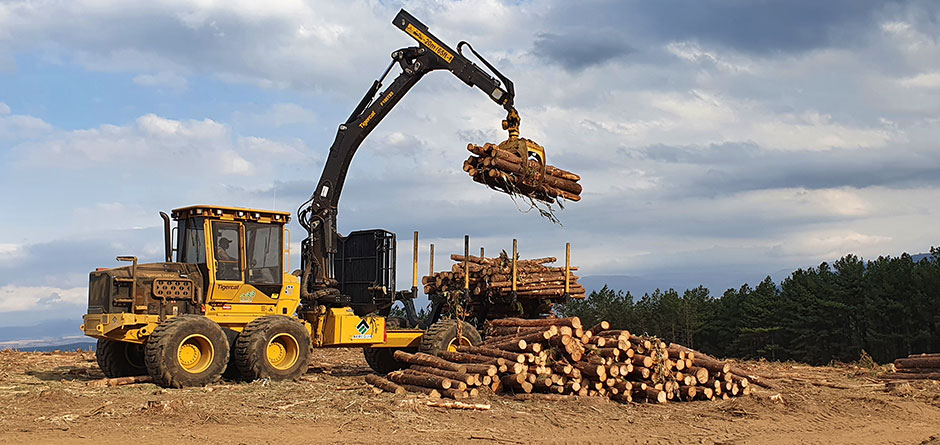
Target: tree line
{"points": [[888, 307]]}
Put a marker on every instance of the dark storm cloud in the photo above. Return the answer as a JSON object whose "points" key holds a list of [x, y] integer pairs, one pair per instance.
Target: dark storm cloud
{"points": [[577, 51], [730, 168], [758, 26]]}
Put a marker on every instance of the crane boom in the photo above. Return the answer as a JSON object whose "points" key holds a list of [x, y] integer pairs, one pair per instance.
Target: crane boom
{"points": [[318, 214]]}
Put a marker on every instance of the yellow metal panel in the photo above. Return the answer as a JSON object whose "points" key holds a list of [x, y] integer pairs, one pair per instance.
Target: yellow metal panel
{"points": [[401, 338], [120, 326], [345, 328]]}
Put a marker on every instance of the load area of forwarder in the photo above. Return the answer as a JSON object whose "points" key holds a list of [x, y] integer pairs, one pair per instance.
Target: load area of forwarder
{"points": [[222, 302]]}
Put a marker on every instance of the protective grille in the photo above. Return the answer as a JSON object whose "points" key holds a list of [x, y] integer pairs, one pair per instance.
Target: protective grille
{"points": [[173, 289]]}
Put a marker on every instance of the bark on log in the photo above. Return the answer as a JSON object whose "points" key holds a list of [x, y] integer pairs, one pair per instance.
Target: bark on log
{"points": [[119, 381], [918, 362], [486, 370], [932, 376], [455, 394], [423, 359], [457, 376], [573, 322], [430, 392], [384, 384], [599, 327], [918, 370], [492, 352], [462, 357], [426, 380]]}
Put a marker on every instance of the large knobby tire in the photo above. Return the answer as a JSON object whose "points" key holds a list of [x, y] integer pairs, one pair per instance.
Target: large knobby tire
{"points": [[442, 336], [382, 360], [120, 359], [273, 347], [186, 350], [231, 370]]}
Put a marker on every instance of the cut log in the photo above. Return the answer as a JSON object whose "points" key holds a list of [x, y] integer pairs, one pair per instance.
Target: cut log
{"points": [[492, 352], [573, 322], [918, 362], [459, 405], [455, 394], [425, 380], [119, 381], [430, 392], [487, 370], [423, 359], [457, 376], [932, 376], [384, 384]]}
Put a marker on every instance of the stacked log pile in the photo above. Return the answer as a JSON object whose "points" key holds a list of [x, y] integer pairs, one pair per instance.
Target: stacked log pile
{"points": [[503, 169], [538, 286], [558, 359], [917, 367]]}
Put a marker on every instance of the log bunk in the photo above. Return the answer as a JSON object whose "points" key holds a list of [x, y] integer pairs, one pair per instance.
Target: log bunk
{"points": [[499, 287], [559, 359], [916, 367]]}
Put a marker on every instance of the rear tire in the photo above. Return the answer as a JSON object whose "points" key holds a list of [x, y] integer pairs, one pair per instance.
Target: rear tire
{"points": [[442, 336], [382, 360], [273, 347], [120, 358], [186, 350]]}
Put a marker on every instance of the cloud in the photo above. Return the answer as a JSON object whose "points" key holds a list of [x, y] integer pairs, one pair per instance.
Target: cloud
{"points": [[577, 51], [279, 115], [15, 126], [20, 298], [171, 81]]}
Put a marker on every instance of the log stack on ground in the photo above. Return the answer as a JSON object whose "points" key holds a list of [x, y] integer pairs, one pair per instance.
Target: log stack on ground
{"points": [[560, 359], [917, 367], [539, 286], [502, 168]]}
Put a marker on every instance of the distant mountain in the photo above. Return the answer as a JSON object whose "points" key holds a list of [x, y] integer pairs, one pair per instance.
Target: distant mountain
{"points": [[84, 346], [45, 330]]}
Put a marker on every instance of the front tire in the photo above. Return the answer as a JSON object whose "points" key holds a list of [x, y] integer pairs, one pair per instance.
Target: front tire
{"points": [[187, 350], [120, 358], [273, 347]]}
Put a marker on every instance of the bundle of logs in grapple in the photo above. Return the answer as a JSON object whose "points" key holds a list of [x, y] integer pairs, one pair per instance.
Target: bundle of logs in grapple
{"points": [[503, 169], [538, 286], [916, 367], [557, 359]]}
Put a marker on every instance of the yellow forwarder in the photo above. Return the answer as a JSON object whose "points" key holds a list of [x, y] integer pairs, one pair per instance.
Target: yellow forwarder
{"points": [[227, 305]]}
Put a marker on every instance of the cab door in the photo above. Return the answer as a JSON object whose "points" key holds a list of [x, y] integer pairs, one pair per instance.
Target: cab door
{"points": [[247, 262], [228, 260]]}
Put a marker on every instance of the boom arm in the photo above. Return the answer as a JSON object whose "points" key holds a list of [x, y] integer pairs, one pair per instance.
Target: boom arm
{"points": [[318, 214]]}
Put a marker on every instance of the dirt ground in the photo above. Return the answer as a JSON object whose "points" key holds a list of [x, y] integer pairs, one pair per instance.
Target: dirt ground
{"points": [[44, 398]]}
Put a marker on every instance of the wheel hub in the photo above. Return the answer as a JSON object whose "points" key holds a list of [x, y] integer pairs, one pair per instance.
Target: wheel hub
{"points": [[195, 353], [189, 354], [283, 351]]}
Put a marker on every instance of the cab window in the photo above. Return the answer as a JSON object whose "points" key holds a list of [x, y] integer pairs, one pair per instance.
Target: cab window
{"points": [[264, 253], [227, 251], [192, 241]]}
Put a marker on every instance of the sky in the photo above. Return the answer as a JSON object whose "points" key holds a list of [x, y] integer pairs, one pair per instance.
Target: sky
{"points": [[718, 141]]}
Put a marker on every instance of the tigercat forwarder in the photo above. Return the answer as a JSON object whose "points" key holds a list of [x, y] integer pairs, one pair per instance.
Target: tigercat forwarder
{"points": [[226, 304]]}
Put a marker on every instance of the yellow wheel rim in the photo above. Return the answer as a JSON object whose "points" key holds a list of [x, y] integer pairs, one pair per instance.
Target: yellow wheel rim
{"points": [[283, 351], [195, 353], [464, 341]]}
